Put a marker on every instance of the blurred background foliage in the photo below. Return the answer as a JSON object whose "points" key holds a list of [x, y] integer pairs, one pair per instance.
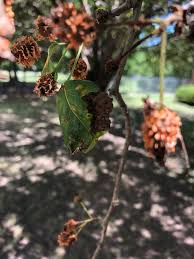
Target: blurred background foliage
{"points": [[180, 60], [144, 61]]}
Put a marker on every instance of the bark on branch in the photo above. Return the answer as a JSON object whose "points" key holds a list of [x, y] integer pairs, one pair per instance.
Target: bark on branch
{"points": [[128, 4], [115, 200]]}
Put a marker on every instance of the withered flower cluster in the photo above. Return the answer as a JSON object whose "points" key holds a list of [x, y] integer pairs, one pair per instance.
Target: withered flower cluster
{"points": [[44, 28], [186, 13], [161, 129], [67, 24], [179, 12], [100, 105], [69, 233], [190, 21], [73, 26], [102, 15], [26, 51], [46, 85], [111, 66], [81, 69]]}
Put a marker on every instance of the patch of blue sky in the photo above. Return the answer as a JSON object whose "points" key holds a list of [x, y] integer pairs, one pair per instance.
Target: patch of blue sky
{"points": [[154, 41]]}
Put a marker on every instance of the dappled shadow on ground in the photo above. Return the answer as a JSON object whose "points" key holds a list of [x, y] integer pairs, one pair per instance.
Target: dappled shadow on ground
{"points": [[155, 218]]}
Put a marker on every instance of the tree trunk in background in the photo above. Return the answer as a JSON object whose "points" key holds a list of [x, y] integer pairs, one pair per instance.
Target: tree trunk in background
{"points": [[13, 78], [109, 44]]}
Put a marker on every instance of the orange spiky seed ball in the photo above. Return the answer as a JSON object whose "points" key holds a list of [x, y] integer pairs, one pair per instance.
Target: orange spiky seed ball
{"points": [[161, 129], [72, 25]]}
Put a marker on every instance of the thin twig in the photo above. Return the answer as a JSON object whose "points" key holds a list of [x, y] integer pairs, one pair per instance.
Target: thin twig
{"points": [[82, 204], [138, 23], [122, 8], [187, 163], [130, 48], [103, 15], [162, 65], [115, 200], [139, 42], [175, 17]]}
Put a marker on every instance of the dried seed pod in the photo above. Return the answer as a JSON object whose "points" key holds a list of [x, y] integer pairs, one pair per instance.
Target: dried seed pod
{"points": [[73, 26], [26, 51], [179, 11], [100, 106], [44, 28], [111, 66], [81, 69], [102, 15], [66, 240], [161, 129], [69, 233], [77, 199], [46, 85]]}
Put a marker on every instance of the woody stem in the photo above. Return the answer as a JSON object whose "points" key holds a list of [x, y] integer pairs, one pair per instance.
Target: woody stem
{"points": [[85, 209], [186, 157], [162, 65], [84, 223]]}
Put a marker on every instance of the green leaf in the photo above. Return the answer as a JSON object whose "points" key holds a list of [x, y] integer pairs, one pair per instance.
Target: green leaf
{"points": [[61, 61], [49, 66], [74, 117]]}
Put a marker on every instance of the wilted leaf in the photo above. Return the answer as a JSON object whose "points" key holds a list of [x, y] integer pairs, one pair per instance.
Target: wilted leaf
{"points": [[74, 117]]}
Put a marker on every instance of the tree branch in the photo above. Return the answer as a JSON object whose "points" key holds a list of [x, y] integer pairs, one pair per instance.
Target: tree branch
{"points": [[103, 15], [122, 8], [186, 157], [139, 42], [174, 17], [114, 200]]}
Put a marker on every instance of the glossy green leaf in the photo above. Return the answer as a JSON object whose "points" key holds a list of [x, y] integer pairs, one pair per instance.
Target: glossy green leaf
{"points": [[74, 117]]}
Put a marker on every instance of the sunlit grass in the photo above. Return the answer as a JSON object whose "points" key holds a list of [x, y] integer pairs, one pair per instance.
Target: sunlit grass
{"points": [[134, 101], [30, 106]]}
